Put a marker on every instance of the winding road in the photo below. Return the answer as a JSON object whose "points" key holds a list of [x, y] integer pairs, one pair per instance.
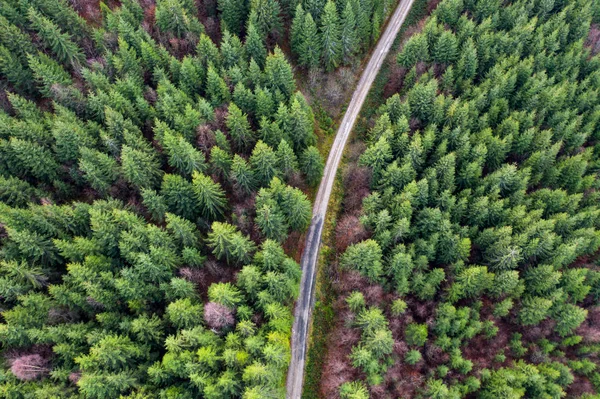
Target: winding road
{"points": [[308, 263]]}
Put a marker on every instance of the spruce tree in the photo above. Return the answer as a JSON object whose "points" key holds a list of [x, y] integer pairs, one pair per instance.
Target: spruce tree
{"points": [[210, 196], [311, 164], [348, 35], [255, 45], [310, 47], [331, 36], [297, 31], [233, 14], [239, 128], [264, 163]]}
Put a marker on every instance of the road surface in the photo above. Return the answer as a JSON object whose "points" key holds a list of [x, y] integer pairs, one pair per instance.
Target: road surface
{"points": [[306, 299]]}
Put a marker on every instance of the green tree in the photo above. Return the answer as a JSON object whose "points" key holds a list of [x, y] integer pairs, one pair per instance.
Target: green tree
{"points": [[99, 169], [239, 128], [331, 42], [416, 334], [312, 165], [60, 43], [209, 195], [255, 46], [140, 168], [365, 257], [233, 14], [242, 175], [297, 31], [348, 35], [279, 77], [266, 16], [309, 52], [183, 156], [264, 163], [445, 50], [216, 88], [226, 242]]}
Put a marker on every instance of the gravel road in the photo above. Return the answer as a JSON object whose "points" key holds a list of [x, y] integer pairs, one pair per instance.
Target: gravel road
{"points": [[308, 263]]}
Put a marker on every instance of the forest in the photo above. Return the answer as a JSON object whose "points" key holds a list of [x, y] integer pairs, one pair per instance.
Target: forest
{"points": [[467, 248], [155, 156]]}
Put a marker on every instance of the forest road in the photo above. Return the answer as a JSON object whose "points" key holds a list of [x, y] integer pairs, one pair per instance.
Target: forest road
{"points": [[306, 299]]}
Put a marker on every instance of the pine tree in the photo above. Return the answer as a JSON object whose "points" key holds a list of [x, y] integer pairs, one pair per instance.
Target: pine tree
{"points": [[233, 14], [180, 196], [155, 204], [60, 43], [311, 164], [310, 43], [297, 31], [287, 162], [264, 163], [255, 46], [226, 242], [140, 168], [31, 159], [48, 73], [216, 88], [220, 162], [300, 126], [177, 17], [99, 169], [414, 50], [446, 48], [239, 128], [330, 36], [364, 257], [266, 16], [468, 62], [348, 36], [210, 196], [182, 155], [296, 208], [278, 75], [271, 222], [15, 71], [242, 175]]}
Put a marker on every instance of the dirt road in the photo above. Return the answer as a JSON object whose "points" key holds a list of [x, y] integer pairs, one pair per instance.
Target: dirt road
{"points": [[308, 263]]}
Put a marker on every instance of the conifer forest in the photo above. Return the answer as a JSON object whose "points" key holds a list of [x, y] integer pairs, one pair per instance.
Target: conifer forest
{"points": [[158, 163]]}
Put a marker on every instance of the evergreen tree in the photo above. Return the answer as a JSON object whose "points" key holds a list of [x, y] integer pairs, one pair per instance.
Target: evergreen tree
{"points": [[348, 35], [255, 46], [233, 14], [182, 155], [99, 169], [242, 175], [60, 43], [210, 196], [330, 36], [310, 43], [140, 168], [287, 162], [311, 164], [446, 48], [216, 88], [226, 242], [264, 163], [239, 128], [297, 31], [266, 16], [278, 75]]}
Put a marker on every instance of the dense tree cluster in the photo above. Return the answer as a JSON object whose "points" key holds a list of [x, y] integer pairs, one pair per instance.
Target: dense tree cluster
{"points": [[483, 212], [136, 156], [329, 34]]}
